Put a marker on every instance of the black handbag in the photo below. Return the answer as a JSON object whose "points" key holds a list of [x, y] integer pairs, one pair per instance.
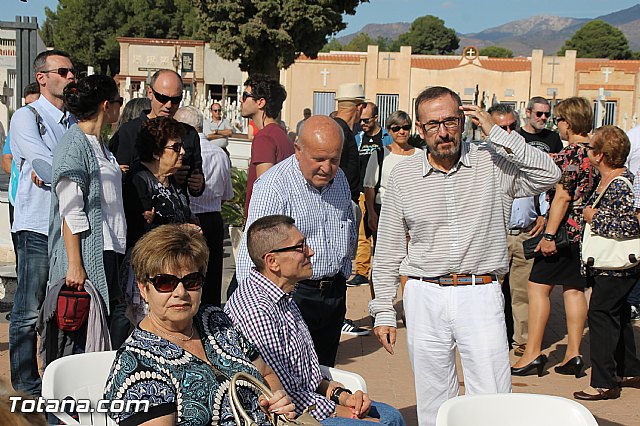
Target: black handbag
{"points": [[529, 246]]}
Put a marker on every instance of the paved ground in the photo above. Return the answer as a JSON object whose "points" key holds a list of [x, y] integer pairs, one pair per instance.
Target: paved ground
{"points": [[389, 378]]}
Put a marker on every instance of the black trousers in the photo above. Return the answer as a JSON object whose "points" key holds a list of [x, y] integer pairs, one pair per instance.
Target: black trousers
{"points": [[323, 311], [613, 349], [213, 230], [119, 324]]}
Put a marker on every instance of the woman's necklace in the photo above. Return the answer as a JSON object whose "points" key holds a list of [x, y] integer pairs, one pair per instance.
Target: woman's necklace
{"points": [[608, 178], [158, 328]]}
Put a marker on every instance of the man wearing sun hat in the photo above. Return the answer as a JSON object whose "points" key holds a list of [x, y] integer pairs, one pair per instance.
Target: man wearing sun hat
{"points": [[351, 102]]}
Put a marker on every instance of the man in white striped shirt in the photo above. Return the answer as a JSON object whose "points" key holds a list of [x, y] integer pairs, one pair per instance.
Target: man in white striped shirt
{"points": [[452, 205]]}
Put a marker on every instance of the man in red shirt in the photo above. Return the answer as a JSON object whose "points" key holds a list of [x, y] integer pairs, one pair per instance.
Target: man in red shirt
{"points": [[262, 101]]}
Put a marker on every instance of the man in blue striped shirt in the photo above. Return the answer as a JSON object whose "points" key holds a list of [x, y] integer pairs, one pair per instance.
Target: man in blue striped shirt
{"points": [[265, 312], [311, 188]]}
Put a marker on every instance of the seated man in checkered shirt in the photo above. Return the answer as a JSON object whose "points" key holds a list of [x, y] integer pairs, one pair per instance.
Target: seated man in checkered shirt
{"points": [[264, 310]]}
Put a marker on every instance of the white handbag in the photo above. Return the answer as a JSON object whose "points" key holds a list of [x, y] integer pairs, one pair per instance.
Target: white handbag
{"points": [[609, 253]]}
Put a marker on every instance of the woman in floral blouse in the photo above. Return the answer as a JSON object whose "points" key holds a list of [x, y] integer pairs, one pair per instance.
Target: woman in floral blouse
{"points": [[574, 118], [613, 350]]}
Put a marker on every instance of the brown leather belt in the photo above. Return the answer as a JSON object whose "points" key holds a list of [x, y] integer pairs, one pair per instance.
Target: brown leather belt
{"points": [[518, 231], [457, 279]]}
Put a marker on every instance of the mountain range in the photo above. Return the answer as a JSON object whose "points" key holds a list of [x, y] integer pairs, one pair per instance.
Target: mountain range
{"points": [[538, 32]]}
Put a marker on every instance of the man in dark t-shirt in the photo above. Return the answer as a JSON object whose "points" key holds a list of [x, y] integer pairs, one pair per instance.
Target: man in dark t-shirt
{"points": [[535, 132], [262, 101]]}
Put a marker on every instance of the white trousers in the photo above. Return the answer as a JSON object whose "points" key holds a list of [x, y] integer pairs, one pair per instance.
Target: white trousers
{"points": [[441, 318]]}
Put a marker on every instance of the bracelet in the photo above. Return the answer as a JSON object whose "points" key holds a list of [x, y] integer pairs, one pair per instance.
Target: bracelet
{"points": [[336, 392], [549, 237]]}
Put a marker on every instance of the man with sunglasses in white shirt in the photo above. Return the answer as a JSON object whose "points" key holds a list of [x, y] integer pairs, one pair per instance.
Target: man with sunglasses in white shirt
{"points": [[535, 132]]}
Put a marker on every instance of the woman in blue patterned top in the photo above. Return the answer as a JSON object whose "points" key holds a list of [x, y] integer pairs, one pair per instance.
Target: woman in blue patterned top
{"points": [[613, 350], [181, 356]]}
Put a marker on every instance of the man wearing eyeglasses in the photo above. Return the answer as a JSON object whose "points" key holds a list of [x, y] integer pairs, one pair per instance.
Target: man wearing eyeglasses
{"points": [[451, 206], [535, 132], [526, 221], [35, 132], [217, 129], [165, 92]]}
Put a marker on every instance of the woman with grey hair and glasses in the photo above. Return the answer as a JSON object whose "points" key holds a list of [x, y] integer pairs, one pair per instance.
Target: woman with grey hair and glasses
{"points": [[380, 166]]}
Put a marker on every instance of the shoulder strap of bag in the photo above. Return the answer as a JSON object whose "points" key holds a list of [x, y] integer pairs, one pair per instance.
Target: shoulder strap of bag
{"points": [[41, 129], [622, 178]]}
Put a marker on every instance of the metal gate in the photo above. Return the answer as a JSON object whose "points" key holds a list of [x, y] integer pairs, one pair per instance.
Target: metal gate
{"points": [[387, 104], [324, 103]]}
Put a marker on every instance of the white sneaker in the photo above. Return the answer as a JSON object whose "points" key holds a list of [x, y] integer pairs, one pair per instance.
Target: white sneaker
{"points": [[348, 327], [635, 313]]}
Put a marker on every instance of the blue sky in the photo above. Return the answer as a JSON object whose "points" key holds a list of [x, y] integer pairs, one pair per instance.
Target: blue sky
{"points": [[464, 16]]}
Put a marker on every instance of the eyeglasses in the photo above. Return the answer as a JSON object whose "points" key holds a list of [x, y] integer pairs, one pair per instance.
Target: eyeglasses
{"points": [[396, 129], [62, 72], [509, 127], [216, 110], [119, 100], [176, 146], [166, 283], [365, 120], [557, 119], [246, 95], [163, 99], [541, 113], [302, 248], [432, 127]]}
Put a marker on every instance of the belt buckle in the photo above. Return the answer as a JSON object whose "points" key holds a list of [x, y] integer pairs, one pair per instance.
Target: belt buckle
{"points": [[322, 284]]}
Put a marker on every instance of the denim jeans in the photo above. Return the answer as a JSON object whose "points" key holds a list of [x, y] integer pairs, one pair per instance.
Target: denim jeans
{"points": [[33, 273], [634, 296], [387, 414]]}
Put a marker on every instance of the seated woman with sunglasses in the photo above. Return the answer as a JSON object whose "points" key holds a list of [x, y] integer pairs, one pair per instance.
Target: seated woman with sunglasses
{"points": [[152, 196], [182, 355], [88, 229]]}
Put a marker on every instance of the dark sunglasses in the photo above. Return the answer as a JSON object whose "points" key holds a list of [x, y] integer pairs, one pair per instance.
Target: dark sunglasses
{"points": [[246, 95], [163, 99], [166, 283], [508, 127], [396, 129], [216, 110], [117, 101], [302, 248], [365, 120], [557, 119], [176, 146], [541, 113], [62, 72]]}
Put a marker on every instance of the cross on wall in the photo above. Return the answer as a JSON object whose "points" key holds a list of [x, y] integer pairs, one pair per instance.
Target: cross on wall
{"points": [[553, 64], [325, 72], [606, 72], [389, 59]]}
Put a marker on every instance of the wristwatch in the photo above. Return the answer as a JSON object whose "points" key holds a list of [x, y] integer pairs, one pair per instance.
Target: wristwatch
{"points": [[549, 237], [336, 392]]}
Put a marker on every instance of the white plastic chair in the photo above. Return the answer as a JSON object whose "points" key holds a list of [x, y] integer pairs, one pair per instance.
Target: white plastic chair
{"points": [[507, 409], [351, 381], [81, 376]]}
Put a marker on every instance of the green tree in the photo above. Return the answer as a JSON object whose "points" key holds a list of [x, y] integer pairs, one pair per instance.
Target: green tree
{"points": [[333, 44], [359, 43], [266, 35], [87, 29], [496, 52], [598, 39], [429, 36]]}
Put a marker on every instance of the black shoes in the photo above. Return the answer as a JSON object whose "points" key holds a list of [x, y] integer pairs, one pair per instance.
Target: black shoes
{"points": [[537, 365], [630, 382], [357, 280], [602, 394], [573, 367]]}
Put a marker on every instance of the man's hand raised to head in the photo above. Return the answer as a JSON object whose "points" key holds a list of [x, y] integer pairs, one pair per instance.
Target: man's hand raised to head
{"points": [[387, 336]]}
